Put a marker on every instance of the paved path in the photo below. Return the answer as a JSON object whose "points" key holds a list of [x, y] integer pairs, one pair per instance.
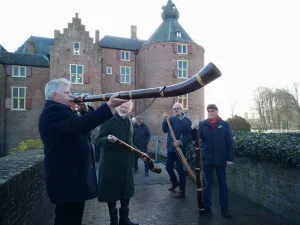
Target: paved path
{"points": [[153, 204]]}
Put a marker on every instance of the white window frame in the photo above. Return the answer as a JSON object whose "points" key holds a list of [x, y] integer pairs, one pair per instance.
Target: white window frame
{"points": [[18, 98], [76, 74], [19, 71], [182, 70], [123, 55], [180, 49], [76, 51], [107, 70], [124, 75], [181, 98]]}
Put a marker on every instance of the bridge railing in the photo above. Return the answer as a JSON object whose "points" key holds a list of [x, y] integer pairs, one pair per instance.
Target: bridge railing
{"points": [[158, 146]]}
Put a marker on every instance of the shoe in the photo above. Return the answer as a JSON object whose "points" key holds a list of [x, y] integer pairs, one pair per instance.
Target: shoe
{"points": [[174, 186], [124, 220], [207, 211], [180, 194], [226, 214], [113, 214], [147, 174]]}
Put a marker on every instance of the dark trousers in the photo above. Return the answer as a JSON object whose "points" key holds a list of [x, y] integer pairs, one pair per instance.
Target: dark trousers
{"points": [[69, 213], [136, 166], [124, 204], [171, 158], [223, 189]]}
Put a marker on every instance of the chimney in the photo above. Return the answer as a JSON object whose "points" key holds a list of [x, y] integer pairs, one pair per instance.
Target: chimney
{"points": [[96, 36], [133, 31], [76, 15]]}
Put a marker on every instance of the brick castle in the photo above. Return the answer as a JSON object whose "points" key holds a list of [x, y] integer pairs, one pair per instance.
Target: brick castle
{"points": [[96, 66]]}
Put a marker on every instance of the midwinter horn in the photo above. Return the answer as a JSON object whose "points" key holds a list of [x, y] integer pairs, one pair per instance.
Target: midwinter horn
{"points": [[206, 75]]}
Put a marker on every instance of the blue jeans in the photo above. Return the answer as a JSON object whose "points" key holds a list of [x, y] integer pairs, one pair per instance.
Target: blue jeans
{"points": [[223, 189], [171, 158]]}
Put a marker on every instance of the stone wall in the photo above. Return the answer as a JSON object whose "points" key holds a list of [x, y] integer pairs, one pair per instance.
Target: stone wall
{"points": [[273, 187], [23, 195], [276, 188]]}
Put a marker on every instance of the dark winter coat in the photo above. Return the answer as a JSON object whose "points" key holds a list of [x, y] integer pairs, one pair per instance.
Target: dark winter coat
{"points": [[182, 130], [116, 178], [141, 136], [69, 164], [216, 143]]}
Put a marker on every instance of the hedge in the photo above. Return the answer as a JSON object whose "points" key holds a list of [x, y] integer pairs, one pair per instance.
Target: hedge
{"points": [[280, 149]]}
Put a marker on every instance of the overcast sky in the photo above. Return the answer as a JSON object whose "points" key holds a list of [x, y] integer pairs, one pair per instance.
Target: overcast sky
{"points": [[253, 42]]}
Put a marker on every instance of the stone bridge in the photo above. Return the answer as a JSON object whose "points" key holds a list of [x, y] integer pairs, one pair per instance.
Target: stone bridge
{"points": [[260, 194]]}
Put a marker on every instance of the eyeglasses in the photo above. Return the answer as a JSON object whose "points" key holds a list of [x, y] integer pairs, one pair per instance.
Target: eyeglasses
{"points": [[211, 110], [176, 109]]}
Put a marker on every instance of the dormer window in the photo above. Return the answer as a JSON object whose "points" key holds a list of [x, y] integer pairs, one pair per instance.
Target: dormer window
{"points": [[76, 48], [182, 49], [178, 34]]}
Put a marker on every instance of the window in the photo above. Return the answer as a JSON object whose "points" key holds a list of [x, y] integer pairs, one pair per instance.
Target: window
{"points": [[125, 55], [18, 98], [108, 70], [183, 99], [76, 48], [19, 71], [178, 34], [182, 49], [76, 74], [182, 68], [125, 74]]}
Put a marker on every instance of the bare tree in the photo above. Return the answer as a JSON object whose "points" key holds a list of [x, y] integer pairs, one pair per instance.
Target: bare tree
{"points": [[276, 108], [232, 107]]}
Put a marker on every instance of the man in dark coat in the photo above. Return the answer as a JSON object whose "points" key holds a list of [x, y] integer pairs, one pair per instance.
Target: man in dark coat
{"points": [[141, 138], [183, 133], [217, 153], [116, 179], [69, 168]]}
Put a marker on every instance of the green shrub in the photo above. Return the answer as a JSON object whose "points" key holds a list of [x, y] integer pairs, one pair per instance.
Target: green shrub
{"points": [[31, 144], [238, 123], [280, 149]]}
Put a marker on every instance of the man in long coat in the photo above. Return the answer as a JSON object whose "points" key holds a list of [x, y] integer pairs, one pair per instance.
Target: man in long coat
{"points": [[217, 150], [116, 178], [69, 168]]}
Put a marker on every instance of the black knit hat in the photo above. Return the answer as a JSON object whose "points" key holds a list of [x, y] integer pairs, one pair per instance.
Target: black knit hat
{"points": [[212, 106]]}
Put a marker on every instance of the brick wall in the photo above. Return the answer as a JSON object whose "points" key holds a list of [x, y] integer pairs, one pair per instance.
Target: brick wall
{"points": [[62, 55], [22, 125], [273, 187], [156, 64], [2, 111], [23, 195]]}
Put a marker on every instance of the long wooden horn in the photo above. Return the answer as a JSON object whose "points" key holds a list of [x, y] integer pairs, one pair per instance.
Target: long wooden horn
{"points": [[206, 75]]}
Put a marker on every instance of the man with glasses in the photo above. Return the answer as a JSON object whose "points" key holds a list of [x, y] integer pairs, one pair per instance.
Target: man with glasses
{"points": [[217, 153], [183, 133]]}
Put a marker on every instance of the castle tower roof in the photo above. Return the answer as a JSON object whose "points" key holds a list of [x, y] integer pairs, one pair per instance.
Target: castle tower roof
{"points": [[169, 30]]}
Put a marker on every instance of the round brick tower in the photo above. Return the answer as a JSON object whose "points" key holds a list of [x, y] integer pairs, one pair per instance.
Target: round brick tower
{"points": [[170, 56]]}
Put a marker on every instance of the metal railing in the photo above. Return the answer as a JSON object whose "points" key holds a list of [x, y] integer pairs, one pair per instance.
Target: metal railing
{"points": [[157, 146]]}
